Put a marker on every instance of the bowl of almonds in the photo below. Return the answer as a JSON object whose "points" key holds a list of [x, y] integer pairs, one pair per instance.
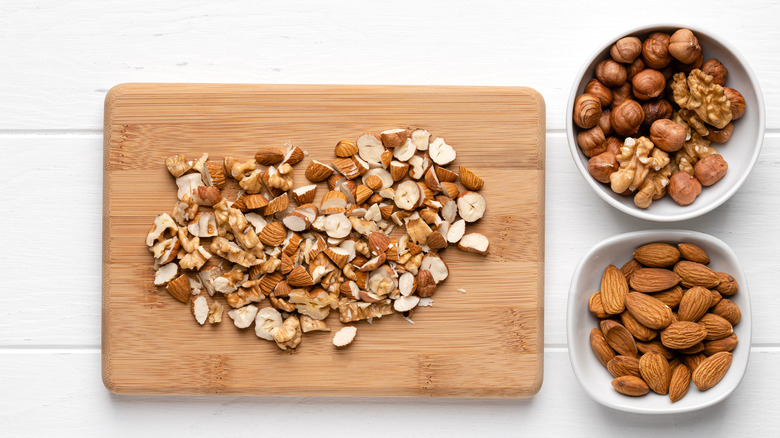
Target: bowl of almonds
{"points": [[659, 322], [665, 122]]}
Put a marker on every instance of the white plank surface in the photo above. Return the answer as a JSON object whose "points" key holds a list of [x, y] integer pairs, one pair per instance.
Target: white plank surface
{"points": [[66, 55], [83, 407], [60, 59]]}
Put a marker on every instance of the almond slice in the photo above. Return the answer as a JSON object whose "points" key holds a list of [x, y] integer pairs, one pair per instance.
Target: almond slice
{"points": [[305, 194], [200, 309], [456, 231], [393, 137], [165, 274], [345, 336], [474, 242], [318, 171], [406, 303]]}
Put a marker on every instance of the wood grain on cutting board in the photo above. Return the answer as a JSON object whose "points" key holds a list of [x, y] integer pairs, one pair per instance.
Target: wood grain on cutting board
{"points": [[487, 342]]}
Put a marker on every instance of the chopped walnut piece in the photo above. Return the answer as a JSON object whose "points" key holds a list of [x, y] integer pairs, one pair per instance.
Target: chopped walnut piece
{"points": [[177, 165], [350, 311], [637, 158], [288, 335]]}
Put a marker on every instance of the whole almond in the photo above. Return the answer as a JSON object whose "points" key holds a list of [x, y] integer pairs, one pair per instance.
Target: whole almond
{"points": [[269, 156], [640, 332], [630, 267], [728, 310], [655, 371], [680, 382], [694, 304], [618, 337], [693, 253], [728, 285], [653, 279], [692, 361], [648, 311], [601, 349], [711, 370], [655, 347], [716, 298], [697, 348], [630, 385], [695, 274], [717, 327], [613, 290], [657, 255], [682, 335], [596, 307], [674, 362], [624, 366], [671, 297], [726, 344]]}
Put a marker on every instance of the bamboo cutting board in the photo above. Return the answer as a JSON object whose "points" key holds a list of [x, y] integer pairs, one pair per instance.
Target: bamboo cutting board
{"points": [[486, 342]]}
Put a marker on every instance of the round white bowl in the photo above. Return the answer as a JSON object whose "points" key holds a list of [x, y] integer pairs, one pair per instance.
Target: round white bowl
{"points": [[740, 152], [594, 377]]}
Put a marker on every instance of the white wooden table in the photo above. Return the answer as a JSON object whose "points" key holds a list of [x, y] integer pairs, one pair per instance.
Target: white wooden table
{"points": [[58, 60]]}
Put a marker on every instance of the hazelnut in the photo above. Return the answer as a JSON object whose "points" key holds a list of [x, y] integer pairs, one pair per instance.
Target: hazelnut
{"points": [[635, 67], [687, 68], [656, 110], [648, 84], [610, 73], [655, 50], [602, 166], [714, 68], [604, 123], [684, 46], [667, 135], [587, 111], [627, 117], [719, 135], [592, 141], [626, 49], [621, 94], [710, 169], [614, 144], [684, 188], [737, 102], [599, 90]]}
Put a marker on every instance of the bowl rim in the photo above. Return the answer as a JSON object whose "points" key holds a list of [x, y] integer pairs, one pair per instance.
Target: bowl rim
{"points": [[635, 211], [651, 236]]}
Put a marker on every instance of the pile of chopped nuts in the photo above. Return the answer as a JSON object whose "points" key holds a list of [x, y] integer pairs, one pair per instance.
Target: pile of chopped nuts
{"points": [[284, 266]]}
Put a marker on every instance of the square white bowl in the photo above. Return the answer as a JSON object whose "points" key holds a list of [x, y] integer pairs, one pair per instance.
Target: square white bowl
{"points": [[740, 152], [594, 377]]}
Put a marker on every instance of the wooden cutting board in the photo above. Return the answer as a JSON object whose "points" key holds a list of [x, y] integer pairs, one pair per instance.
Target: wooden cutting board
{"points": [[484, 342]]}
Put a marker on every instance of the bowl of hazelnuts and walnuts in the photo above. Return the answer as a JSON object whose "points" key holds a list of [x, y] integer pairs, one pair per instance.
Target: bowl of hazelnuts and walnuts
{"points": [[665, 122]]}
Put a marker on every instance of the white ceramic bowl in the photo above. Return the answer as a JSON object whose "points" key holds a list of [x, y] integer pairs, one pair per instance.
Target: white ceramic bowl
{"points": [[740, 152], [594, 377]]}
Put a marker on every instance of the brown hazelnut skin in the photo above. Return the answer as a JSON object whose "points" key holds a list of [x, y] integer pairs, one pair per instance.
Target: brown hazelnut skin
{"points": [[684, 188], [656, 110], [635, 67], [718, 71], [611, 73], [604, 122], [655, 50], [627, 117], [614, 144], [648, 84], [710, 169], [626, 49], [596, 88], [737, 102], [719, 135], [684, 46], [667, 135], [592, 141], [587, 111], [602, 166], [621, 94], [687, 68]]}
